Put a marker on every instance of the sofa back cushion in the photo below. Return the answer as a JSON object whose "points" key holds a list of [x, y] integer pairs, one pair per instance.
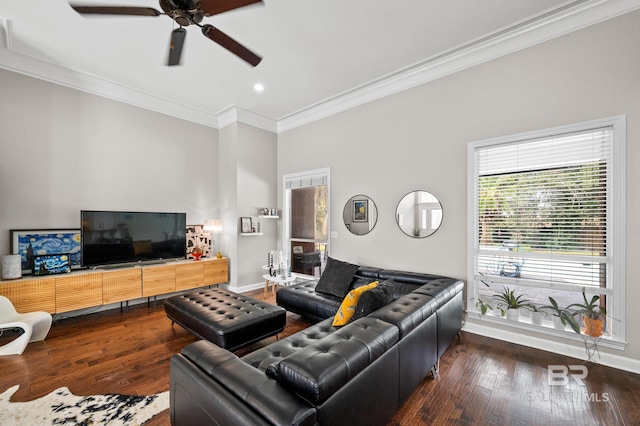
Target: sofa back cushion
{"points": [[406, 282], [317, 371], [407, 312]]}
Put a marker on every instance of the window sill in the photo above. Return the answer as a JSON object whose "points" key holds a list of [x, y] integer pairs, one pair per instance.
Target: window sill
{"points": [[546, 328]]}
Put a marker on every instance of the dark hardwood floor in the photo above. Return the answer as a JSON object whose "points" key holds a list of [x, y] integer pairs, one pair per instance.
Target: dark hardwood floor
{"points": [[482, 381]]}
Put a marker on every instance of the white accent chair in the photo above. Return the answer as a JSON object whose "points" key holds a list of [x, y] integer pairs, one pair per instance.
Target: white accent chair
{"points": [[36, 326]]}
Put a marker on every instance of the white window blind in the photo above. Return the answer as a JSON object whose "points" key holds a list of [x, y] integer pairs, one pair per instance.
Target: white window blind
{"points": [[546, 218], [542, 209], [306, 181]]}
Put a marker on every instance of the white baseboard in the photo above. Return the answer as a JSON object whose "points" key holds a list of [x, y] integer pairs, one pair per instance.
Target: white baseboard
{"points": [[245, 288], [608, 359]]}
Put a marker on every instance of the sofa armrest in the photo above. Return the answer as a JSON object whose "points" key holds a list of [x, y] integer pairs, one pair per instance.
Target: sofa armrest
{"points": [[211, 385]]}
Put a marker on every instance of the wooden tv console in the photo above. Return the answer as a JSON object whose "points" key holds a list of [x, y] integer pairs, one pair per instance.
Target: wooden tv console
{"points": [[89, 288]]}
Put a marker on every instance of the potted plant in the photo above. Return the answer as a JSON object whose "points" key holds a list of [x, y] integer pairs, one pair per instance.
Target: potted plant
{"points": [[593, 315], [561, 316], [510, 304], [537, 314], [483, 307]]}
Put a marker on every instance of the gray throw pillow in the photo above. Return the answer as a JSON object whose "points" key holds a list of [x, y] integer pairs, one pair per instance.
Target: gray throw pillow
{"points": [[374, 299], [336, 278]]}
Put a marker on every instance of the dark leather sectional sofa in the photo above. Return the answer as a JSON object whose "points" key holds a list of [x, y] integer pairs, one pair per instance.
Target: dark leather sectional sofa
{"points": [[360, 373]]}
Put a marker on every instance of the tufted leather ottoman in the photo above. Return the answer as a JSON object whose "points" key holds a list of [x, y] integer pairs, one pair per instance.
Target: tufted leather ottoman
{"points": [[228, 319]]}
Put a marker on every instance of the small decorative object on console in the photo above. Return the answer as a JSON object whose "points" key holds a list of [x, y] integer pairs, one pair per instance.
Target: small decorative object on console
{"points": [[197, 252], [49, 264], [214, 227], [11, 267], [199, 235]]}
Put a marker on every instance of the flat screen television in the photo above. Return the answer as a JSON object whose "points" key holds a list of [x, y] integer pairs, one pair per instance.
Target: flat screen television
{"points": [[115, 237]]}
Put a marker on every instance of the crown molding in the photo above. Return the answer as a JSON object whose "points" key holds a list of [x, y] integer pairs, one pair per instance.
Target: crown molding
{"points": [[15, 61], [233, 114], [576, 15], [504, 42]]}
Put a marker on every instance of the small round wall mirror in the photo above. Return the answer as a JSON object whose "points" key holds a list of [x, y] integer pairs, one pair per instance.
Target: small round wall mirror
{"points": [[360, 215], [419, 214]]}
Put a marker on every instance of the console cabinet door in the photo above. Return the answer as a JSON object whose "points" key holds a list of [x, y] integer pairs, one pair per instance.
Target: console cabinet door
{"points": [[78, 291], [31, 295], [158, 280], [189, 275], [125, 284], [216, 271]]}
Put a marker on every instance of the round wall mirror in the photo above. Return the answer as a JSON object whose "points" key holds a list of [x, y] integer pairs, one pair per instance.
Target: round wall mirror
{"points": [[419, 214], [360, 214]]}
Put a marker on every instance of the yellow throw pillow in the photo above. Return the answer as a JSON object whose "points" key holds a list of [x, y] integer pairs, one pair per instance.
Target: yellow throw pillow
{"points": [[348, 306]]}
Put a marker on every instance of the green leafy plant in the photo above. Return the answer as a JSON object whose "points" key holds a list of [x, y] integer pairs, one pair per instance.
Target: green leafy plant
{"points": [[507, 299], [590, 309], [534, 308], [565, 315], [483, 306]]}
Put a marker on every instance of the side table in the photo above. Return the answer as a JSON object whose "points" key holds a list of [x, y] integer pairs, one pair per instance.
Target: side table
{"points": [[276, 281]]}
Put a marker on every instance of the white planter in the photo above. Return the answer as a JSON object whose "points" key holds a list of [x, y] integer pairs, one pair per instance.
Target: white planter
{"points": [[557, 323], [513, 314], [537, 317]]}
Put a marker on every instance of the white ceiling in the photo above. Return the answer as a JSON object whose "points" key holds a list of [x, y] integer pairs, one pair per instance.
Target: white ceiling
{"points": [[320, 56]]}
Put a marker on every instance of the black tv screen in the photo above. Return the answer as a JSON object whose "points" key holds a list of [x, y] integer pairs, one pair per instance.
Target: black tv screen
{"points": [[113, 237]]}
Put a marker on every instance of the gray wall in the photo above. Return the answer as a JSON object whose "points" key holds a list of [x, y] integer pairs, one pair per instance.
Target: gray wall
{"points": [[256, 172], [62, 150], [417, 139]]}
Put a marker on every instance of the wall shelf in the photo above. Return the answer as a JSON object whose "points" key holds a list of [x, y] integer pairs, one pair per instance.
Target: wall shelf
{"points": [[250, 234], [268, 217]]}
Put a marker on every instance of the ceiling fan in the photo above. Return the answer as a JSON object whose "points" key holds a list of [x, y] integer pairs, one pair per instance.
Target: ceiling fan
{"points": [[185, 13]]}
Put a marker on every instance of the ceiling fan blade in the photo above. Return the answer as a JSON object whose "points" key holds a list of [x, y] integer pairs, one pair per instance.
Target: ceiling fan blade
{"points": [[213, 7], [230, 44], [175, 48], [116, 10]]}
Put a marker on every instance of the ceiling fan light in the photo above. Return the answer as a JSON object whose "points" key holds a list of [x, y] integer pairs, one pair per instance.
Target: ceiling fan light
{"points": [[181, 17], [196, 18]]}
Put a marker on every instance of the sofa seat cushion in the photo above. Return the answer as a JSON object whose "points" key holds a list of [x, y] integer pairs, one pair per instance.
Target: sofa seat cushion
{"points": [[304, 300], [267, 358], [317, 371], [260, 394]]}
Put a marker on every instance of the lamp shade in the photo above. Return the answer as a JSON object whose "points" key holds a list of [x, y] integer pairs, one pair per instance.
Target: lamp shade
{"points": [[11, 267], [213, 225]]}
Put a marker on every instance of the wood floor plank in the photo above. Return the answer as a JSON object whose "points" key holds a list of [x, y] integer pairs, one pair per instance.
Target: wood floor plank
{"points": [[481, 382]]}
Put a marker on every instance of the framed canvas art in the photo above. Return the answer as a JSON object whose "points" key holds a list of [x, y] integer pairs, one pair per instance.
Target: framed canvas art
{"points": [[37, 242], [49, 264], [245, 225], [360, 210]]}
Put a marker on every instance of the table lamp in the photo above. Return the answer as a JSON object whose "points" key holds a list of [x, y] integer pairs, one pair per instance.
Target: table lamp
{"points": [[214, 226]]}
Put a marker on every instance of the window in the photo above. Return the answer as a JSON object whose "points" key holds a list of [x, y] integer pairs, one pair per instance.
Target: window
{"points": [[547, 217], [306, 221]]}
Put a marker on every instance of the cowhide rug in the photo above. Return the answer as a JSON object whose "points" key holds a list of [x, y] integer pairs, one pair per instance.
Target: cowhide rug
{"points": [[61, 407]]}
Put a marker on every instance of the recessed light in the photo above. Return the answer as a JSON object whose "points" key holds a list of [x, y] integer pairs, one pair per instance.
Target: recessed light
{"points": [[258, 87]]}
